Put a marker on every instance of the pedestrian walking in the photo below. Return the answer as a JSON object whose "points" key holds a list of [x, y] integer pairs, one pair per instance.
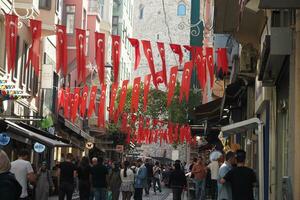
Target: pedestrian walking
{"points": [[241, 178], [149, 166], [127, 178], [44, 183], [177, 181], [84, 172], [214, 171], [10, 189], [140, 180], [156, 177], [99, 174], [23, 172], [224, 192], [199, 172], [66, 173], [115, 181]]}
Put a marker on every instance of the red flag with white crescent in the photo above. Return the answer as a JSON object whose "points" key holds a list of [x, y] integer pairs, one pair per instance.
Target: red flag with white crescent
{"points": [[84, 96], [100, 55], [222, 60], [176, 48], [124, 122], [186, 81], [133, 119], [67, 102], [135, 94], [159, 77], [123, 96], [140, 129], [61, 50], [210, 64], [80, 54], [113, 95], [147, 80], [74, 109], [162, 53], [34, 51], [11, 34], [101, 107], [136, 44], [200, 62], [172, 84], [91, 107], [149, 55], [116, 54]]}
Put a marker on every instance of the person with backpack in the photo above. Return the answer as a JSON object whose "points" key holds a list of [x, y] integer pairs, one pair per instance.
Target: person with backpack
{"points": [[44, 183]]}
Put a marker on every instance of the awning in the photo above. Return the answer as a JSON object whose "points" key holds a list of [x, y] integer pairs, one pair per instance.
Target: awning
{"points": [[15, 129]]}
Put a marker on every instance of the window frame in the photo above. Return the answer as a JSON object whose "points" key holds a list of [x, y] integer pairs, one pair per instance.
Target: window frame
{"points": [[47, 5], [16, 70], [181, 6], [70, 13]]}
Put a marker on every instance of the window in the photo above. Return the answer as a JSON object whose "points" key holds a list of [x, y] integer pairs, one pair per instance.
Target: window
{"points": [[181, 9], [57, 5], [70, 19], [28, 78], [23, 66], [15, 72], [87, 42], [84, 19], [101, 8], [45, 4], [115, 25], [141, 15]]}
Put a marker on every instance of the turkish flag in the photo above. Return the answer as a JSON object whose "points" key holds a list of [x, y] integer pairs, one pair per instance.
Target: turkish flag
{"points": [[135, 94], [186, 81], [159, 77], [74, 108], [210, 64], [136, 44], [133, 119], [149, 55], [84, 96], [200, 62], [60, 99], [93, 94], [80, 54], [101, 107], [34, 51], [172, 84], [123, 96], [176, 48], [222, 60], [162, 53], [116, 54], [11, 34], [61, 50], [100, 55], [113, 95], [146, 90], [124, 122], [67, 102], [140, 137]]}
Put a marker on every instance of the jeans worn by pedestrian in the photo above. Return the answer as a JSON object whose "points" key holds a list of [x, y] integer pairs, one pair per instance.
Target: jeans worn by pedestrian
{"points": [[156, 181], [65, 189], [200, 189], [100, 193]]}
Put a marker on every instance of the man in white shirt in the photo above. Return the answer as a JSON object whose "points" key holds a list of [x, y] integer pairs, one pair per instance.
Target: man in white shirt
{"points": [[214, 170], [23, 172]]}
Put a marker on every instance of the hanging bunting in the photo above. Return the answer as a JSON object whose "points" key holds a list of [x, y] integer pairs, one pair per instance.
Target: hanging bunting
{"points": [[91, 107], [135, 94], [11, 34], [67, 100], [147, 131], [34, 51], [114, 90], [186, 81], [100, 55], [176, 133], [222, 60], [116, 54], [123, 96], [133, 119], [210, 64], [172, 84], [159, 77], [84, 96], [101, 107], [147, 80], [161, 49], [200, 62], [80, 54], [176, 48], [124, 122], [148, 53], [74, 108], [140, 131], [61, 50], [136, 44], [170, 132]]}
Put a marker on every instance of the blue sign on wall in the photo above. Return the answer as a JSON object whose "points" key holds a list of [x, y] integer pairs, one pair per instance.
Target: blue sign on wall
{"points": [[39, 148], [4, 139]]}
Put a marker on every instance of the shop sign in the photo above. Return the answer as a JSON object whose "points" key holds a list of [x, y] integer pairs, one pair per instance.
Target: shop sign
{"points": [[89, 145], [39, 148], [4, 139]]}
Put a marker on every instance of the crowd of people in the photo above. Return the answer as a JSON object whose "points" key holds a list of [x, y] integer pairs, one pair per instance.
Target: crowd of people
{"points": [[229, 179]]}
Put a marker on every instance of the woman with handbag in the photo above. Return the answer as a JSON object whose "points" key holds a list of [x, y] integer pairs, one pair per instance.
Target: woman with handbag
{"points": [[44, 183], [127, 177]]}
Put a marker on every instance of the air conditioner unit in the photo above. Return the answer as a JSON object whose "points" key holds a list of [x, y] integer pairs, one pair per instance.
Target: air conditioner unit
{"points": [[277, 47]]}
